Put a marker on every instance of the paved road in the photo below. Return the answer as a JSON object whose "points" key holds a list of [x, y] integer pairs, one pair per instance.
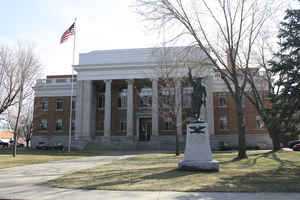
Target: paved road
{"points": [[20, 183]]}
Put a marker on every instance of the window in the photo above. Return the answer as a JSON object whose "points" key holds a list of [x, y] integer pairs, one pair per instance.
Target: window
{"points": [[45, 104], [73, 125], [167, 100], [101, 125], [167, 97], [187, 97], [146, 97], [58, 124], [146, 101], [123, 124], [59, 104], [44, 124], [222, 101], [223, 122], [61, 80], [259, 123], [122, 101], [168, 124], [73, 103], [101, 101]]}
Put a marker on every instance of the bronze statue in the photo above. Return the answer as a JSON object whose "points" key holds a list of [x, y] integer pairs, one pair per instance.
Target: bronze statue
{"points": [[198, 95]]}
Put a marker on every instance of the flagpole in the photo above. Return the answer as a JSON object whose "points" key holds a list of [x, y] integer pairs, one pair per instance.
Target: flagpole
{"points": [[72, 88]]}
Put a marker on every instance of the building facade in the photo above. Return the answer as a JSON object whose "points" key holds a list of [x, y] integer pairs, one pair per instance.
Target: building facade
{"points": [[121, 102], [6, 132]]}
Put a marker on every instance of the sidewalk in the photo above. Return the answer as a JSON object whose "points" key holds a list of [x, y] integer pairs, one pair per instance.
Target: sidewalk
{"points": [[20, 183]]}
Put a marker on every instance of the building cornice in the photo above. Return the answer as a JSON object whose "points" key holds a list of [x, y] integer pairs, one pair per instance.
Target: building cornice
{"points": [[54, 90], [132, 70]]}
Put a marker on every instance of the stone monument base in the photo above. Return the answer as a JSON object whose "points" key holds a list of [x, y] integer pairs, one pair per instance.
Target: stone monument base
{"points": [[196, 165]]}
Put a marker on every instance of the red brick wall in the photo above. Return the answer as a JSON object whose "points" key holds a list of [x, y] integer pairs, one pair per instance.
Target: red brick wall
{"points": [[230, 112], [51, 116]]}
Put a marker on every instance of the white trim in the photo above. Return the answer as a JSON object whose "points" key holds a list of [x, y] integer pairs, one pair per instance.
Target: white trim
{"points": [[54, 91], [134, 71]]}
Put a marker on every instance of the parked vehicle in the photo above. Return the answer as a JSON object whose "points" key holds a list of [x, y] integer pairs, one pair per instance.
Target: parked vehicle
{"points": [[20, 145], [42, 146], [292, 143], [296, 147], [4, 144], [59, 147], [45, 146]]}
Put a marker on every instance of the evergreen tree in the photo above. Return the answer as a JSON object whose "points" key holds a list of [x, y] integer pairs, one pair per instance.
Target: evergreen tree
{"points": [[283, 116]]}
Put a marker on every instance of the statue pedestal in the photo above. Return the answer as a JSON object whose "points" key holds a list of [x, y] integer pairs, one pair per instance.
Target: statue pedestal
{"points": [[197, 155]]}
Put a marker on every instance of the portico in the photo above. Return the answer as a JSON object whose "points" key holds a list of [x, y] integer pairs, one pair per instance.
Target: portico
{"points": [[87, 107], [142, 121]]}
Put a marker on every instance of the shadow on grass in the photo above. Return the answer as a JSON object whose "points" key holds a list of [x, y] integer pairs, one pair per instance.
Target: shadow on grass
{"points": [[274, 156], [252, 159], [175, 173], [134, 177], [127, 177], [283, 176], [284, 180]]}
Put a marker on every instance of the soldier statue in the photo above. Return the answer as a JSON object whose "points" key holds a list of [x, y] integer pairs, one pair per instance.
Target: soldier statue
{"points": [[198, 96]]}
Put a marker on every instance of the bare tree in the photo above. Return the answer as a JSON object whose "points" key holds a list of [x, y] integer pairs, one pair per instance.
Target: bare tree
{"points": [[168, 100], [25, 128], [9, 88], [22, 71], [225, 30], [169, 107], [175, 69]]}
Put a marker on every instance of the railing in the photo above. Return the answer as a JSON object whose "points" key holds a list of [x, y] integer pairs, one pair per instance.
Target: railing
{"points": [[217, 75], [258, 76], [55, 81]]}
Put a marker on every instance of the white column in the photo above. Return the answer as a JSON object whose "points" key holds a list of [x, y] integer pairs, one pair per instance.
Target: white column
{"points": [[107, 109], [178, 103], [79, 108], [130, 108], [154, 107], [84, 109]]}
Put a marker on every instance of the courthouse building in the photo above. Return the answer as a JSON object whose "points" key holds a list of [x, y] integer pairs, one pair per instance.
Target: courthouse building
{"points": [[116, 102]]}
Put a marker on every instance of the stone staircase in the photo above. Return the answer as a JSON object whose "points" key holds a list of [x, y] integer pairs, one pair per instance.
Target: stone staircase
{"points": [[98, 145], [214, 143], [79, 144]]}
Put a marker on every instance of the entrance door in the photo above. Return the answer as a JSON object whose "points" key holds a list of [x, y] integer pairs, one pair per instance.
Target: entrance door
{"points": [[145, 129]]}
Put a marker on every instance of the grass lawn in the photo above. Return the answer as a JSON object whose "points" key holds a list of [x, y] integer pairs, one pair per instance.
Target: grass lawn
{"points": [[263, 171], [27, 157]]}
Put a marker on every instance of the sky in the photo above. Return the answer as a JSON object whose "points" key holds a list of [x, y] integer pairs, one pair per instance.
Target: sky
{"points": [[101, 24]]}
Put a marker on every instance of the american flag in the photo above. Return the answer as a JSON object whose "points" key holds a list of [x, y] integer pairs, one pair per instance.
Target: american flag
{"points": [[70, 31]]}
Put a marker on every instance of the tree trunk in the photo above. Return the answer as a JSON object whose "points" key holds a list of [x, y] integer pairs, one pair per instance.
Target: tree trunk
{"points": [[15, 145], [275, 140], [242, 132], [177, 145], [27, 143], [17, 121]]}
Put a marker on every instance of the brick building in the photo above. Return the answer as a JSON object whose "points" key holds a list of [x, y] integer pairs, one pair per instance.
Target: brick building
{"points": [[117, 103]]}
